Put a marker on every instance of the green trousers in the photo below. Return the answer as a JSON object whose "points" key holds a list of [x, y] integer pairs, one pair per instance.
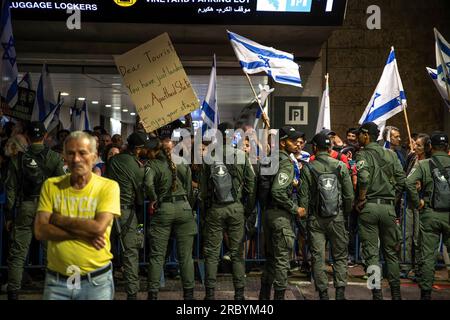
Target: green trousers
{"points": [[176, 216], [22, 234], [410, 254], [378, 221], [279, 242], [228, 218], [432, 225], [333, 229], [130, 250]]}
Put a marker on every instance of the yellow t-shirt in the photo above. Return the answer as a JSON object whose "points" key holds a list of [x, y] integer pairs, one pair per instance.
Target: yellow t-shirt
{"points": [[99, 195]]}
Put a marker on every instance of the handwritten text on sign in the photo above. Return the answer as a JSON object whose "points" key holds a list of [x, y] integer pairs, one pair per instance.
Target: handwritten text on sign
{"points": [[157, 82]]}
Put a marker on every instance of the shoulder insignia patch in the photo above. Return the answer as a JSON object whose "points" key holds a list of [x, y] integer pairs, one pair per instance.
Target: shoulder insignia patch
{"points": [[360, 164], [283, 179]]}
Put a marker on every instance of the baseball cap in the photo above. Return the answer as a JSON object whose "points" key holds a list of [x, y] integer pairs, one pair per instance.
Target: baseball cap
{"points": [[141, 139], [439, 138], [328, 132], [321, 140], [288, 132], [36, 129], [370, 128]]}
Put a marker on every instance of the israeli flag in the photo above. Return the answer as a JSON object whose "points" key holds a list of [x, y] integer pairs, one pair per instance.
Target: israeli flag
{"points": [[324, 120], [51, 121], [8, 65], [45, 97], [389, 97], [79, 118], [254, 58], [209, 111], [26, 82], [441, 75]]}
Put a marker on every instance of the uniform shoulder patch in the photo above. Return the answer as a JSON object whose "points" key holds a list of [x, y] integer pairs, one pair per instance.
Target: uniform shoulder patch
{"points": [[283, 179], [360, 164]]}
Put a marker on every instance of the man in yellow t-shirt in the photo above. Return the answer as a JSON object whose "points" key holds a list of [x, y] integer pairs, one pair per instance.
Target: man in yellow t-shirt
{"points": [[75, 214]]}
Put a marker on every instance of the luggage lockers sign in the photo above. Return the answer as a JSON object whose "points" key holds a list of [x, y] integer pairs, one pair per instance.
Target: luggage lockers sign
{"points": [[227, 12], [157, 83]]}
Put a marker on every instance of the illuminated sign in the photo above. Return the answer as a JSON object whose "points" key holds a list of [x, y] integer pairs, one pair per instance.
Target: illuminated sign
{"points": [[228, 12]]}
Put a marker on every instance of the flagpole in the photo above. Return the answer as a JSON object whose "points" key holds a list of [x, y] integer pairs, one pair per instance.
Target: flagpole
{"points": [[264, 116], [407, 127], [444, 66]]}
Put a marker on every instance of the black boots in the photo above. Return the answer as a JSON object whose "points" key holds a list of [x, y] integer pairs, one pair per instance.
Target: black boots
{"points": [[377, 294], [279, 294], [13, 295], [210, 294], [152, 295], [239, 294], [323, 295], [340, 293], [188, 294], [264, 292], [395, 292], [425, 294]]}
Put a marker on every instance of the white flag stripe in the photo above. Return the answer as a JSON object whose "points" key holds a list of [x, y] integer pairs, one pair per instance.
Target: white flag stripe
{"points": [[324, 120], [254, 57], [389, 97]]}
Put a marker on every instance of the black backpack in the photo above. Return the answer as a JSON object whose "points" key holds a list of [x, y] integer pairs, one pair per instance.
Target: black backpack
{"points": [[222, 178], [264, 186], [33, 172], [440, 200], [328, 191]]}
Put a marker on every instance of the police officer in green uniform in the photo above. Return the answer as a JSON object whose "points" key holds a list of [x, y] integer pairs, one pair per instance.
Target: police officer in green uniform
{"points": [[169, 188], [26, 173], [434, 207], [226, 212], [380, 179], [326, 193], [128, 171], [279, 218]]}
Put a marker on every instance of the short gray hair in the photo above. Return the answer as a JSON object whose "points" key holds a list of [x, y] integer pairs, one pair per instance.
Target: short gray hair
{"points": [[388, 130], [78, 135]]}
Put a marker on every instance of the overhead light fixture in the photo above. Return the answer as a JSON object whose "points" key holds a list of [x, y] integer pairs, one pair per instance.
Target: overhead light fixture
{"points": [[64, 94], [116, 108], [107, 105], [125, 110], [94, 102], [132, 114], [81, 98], [116, 84]]}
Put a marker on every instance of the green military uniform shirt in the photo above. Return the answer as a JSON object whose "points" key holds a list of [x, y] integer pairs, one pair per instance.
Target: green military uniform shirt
{"points": [[308, 191], [54, 167], [243, 180], [282, 186], [158, 180], [126, 169], [370, 177], [421, 172]]}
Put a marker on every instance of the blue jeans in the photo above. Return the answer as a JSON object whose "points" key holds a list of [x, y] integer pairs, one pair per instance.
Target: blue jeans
{"points": [[93, 288]]}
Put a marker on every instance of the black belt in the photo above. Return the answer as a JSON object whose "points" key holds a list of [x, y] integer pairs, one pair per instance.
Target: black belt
{"points": [[127, 206], [86, 276], [173, 199], [381, 201]]}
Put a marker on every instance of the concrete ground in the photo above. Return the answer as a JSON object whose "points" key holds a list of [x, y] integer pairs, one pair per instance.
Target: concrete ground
{"points": [[300, 287]]}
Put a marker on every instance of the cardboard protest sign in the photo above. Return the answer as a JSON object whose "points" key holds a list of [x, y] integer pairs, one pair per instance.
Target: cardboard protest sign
{"points": [[157, 82]]}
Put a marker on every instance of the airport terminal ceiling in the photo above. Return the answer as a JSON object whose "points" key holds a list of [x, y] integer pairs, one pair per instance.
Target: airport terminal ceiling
{"points": [[82, 60]]}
